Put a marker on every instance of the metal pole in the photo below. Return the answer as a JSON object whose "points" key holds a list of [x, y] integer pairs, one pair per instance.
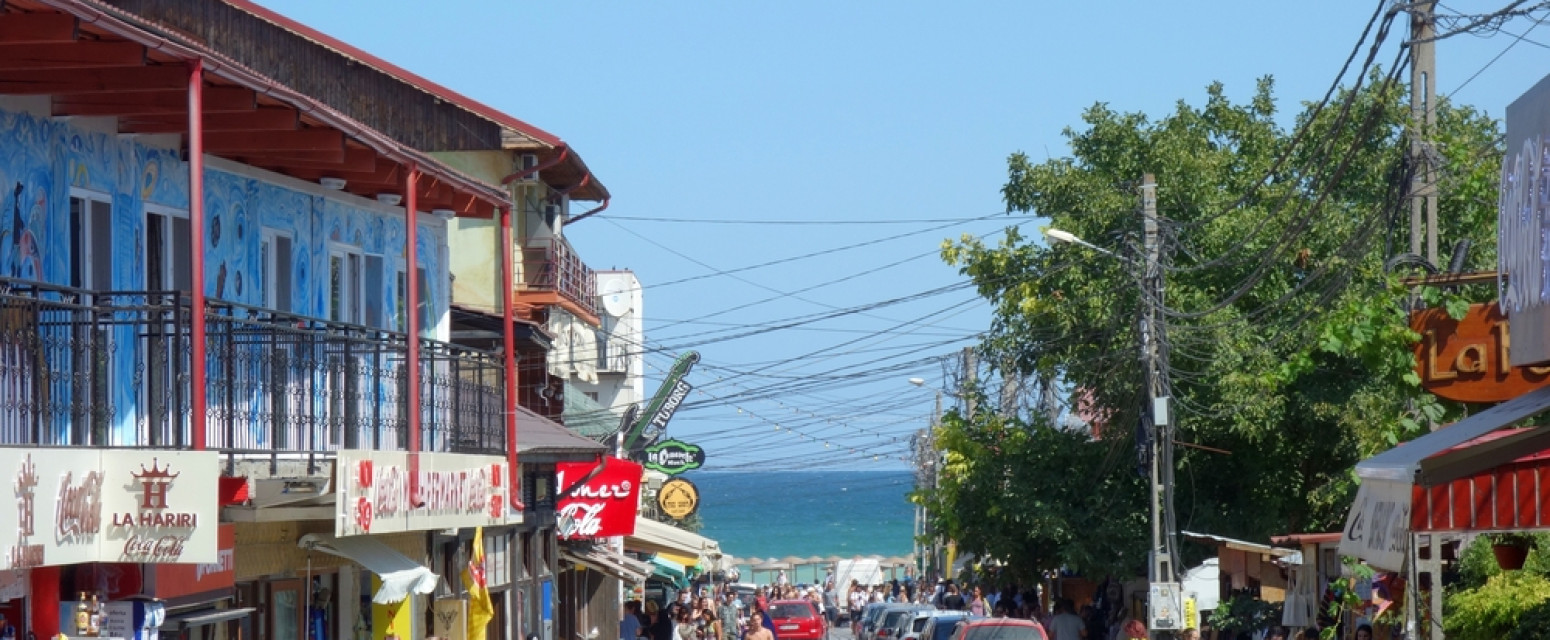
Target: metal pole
{"points": [[1161, 569], [196, 258], [412, 323], [1423, 112]]}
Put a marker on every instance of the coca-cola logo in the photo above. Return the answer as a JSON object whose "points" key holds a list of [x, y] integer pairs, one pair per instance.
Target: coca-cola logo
{"points": [[78, 511], [166, 548], [584, 520], [621, 490]]}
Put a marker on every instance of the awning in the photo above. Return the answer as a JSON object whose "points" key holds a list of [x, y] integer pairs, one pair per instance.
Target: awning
{"points": [[626, 569], [205, 617], [654, 537], [1240, 545], [673, 571], [400, 575], [1413, 461]]}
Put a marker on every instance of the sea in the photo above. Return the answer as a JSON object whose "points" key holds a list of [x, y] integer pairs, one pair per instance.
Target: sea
{"points": [[773, 515]]}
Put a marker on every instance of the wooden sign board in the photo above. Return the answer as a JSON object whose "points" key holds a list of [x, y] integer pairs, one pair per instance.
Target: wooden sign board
{"points": [[1468, 360]]}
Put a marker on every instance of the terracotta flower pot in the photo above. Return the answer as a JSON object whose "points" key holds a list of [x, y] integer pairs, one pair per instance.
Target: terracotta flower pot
{"points": [[1510, 556]]}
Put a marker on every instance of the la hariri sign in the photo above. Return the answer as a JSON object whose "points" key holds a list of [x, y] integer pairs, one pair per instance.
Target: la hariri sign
{"points": [[96, 505], [456, 490]]}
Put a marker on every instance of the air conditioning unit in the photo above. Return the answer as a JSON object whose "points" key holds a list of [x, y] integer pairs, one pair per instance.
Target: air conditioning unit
{"points": [[529, 168]]}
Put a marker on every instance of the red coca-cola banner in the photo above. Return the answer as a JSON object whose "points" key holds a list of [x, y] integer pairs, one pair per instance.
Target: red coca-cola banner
{"points": [[604, 506]]}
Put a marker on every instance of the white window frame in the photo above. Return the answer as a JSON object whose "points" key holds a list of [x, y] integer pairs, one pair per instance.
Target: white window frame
{"points": [[168, 277], [88, 236], [353, 288], [266, 242]]}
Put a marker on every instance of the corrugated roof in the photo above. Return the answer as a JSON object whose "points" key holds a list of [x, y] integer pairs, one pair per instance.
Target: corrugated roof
{"points": [[537, 434]]}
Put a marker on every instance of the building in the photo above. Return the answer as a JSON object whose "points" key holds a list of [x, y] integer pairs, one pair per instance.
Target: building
{"points": [[228, 366]]}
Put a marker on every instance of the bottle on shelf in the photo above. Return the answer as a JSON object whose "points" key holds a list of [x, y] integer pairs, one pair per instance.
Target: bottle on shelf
{"points": [[94, 624], [82, 616]]}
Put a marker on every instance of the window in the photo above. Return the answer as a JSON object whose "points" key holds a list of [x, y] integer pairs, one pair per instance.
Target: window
{"points": [[274, 263], [344, 284], [91, 240], [376, 314], [167, 263], [401, 321]]}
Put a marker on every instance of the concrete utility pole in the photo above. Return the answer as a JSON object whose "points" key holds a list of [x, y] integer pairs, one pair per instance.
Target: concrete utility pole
{"points": [[1423, 115], [1162, 570]]}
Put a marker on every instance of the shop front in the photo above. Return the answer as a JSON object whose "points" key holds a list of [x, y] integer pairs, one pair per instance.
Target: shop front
{"points": [[98, 531]]}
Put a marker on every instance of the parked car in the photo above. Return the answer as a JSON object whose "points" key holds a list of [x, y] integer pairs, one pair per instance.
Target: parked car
{"points": [[797, 620], [894, 617], [915, 626], [869, 615], [999, 629], [942, 625]]}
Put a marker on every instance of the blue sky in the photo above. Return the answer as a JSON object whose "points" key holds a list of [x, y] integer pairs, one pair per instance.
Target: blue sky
{"points": [[866, 114]]}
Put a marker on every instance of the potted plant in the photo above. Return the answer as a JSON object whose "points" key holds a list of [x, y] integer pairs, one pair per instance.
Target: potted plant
{"points": [[1511, 549]]}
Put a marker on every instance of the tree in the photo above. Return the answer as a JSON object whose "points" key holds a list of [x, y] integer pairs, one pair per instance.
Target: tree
{"points": [[1289, 338]]}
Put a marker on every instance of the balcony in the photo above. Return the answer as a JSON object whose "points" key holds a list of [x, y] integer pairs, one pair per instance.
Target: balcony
{"points": [[111, 369], [554, 274]]}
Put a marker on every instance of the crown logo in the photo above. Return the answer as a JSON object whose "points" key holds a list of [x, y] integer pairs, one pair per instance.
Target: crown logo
{"points": [[155, 472]]}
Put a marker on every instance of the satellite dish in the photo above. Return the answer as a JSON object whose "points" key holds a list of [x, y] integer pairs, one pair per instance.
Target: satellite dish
{"points": [[616, 298]]}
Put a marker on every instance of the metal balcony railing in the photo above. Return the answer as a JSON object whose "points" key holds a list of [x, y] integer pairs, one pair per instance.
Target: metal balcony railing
{"points": [[111, 369], [552, 265]]}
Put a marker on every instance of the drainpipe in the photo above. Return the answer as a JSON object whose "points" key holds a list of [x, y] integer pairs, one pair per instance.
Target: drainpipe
{"points": [[412, 310], [196, 261], [564, 151], [594, 210], [508, 331]]}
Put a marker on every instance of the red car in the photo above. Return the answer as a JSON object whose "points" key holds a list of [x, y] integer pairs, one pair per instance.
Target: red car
{"points": [[1000, 629], [797, 620]]}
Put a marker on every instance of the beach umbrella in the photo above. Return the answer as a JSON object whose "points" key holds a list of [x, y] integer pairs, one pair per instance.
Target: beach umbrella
{"points": [[773, 565], [792, 560], [833, 559], [814, 560], [754, 560], [897, 561]]}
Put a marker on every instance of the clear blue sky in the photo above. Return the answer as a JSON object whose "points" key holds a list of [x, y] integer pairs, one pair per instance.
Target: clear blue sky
{"points": [[861, 111]]}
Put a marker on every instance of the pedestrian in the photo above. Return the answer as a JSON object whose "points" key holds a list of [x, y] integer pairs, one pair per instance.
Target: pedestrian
{"points": [[1191, 633], [1310, 633], [857, 600], [952, 599], [728, 615], [1066, 625], [1364, 631], [756, 630], [780, 577], [629, 621], [977, 603], [661, 627], [685, 629], [1134, 630], [709, 625], [1276, 633]]}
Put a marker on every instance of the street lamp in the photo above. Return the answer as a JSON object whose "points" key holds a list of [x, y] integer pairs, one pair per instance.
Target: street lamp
{"points": [[1161, 569], [922, 526]]}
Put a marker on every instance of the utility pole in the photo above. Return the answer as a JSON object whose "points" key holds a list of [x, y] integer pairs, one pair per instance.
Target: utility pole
{"points": [[1423, 123], [1154, 351]]}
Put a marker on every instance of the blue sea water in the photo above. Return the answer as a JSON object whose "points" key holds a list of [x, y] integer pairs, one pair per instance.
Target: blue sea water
{"points": [[772, 515]]}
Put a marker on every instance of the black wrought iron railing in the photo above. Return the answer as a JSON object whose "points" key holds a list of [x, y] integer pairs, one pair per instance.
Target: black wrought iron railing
{"points": [[111, 369]]}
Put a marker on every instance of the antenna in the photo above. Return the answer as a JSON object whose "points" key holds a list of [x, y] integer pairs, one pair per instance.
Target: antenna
{"points": [[616, 298]]}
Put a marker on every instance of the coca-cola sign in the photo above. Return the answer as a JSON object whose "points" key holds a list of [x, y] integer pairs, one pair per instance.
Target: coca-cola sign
{"points": [[604, 505], [83, 505]]}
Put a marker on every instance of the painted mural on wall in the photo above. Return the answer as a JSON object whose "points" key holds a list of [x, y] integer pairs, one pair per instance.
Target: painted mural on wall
{"points": [[44, 162]]}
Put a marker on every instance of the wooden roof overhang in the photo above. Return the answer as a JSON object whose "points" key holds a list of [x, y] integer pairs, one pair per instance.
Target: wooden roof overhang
{"points": [[92, 60]]}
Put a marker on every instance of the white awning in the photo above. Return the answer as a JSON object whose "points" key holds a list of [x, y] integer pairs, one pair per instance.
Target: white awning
{"points": [[654, 537], [619, 566], [1404, 463], [400, 575]]}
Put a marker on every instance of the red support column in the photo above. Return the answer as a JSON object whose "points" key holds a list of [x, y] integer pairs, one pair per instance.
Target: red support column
{"points": [[196, 262], [509, 286], [412, 309], [43, 600]]}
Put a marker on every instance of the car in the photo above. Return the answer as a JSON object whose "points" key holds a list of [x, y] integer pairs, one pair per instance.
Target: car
{"points": [[999, 629], [797, 620], [869, 614], [915, 625], [942, 625], [893, 617]]}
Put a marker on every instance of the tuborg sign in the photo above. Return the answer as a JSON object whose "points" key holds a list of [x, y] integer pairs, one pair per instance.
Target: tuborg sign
{"points": [[1523, 226]]}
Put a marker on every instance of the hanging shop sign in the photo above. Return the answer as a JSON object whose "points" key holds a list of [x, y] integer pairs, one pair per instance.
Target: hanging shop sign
{"points": [[673, 457], [78, 506], [678, 498], [1523, 220], [605, 505], [1378, 527], [1468, 359], [664, 404], [455, 491]]}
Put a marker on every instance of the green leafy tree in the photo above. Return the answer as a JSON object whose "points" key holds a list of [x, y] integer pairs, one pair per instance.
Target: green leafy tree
{"points": [[1288, 336]]}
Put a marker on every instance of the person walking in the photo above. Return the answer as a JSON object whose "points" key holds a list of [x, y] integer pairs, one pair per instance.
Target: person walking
{"points": [[1066, 625], [977, 603], [629, 621], [1134, 630], [756, 630], [727, 612]]}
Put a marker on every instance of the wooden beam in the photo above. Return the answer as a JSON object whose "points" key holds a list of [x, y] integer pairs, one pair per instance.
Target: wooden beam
{"points": [[74, 55], [37, 28], [153, 103], [93, 80], [1450, 279], [276, 142], [264, 119], [279, 159], [350, 159]]}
